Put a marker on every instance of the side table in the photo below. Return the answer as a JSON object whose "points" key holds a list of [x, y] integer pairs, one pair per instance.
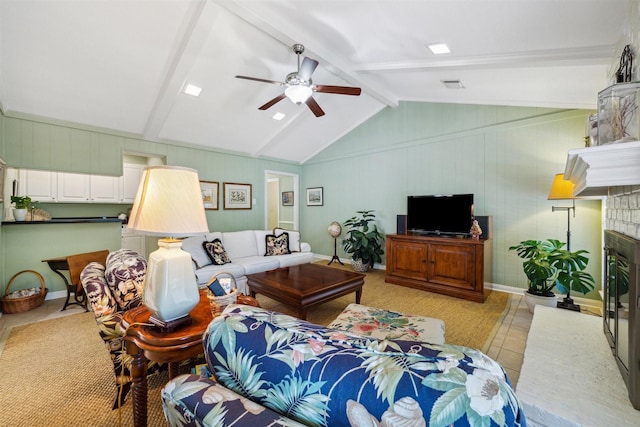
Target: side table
{"points": [[57, 265], [150, 343]]}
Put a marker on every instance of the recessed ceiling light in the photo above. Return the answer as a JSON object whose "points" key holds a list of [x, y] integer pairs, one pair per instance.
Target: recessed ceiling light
{"points": [[192, 90], [439, 48], [453, 84], [278, 116]]}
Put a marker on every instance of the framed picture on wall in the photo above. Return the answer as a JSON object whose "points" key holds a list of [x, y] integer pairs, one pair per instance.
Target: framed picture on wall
{"points": [[314, 196], [3, 172], [287, 198], [209, 191], [237, 196]]}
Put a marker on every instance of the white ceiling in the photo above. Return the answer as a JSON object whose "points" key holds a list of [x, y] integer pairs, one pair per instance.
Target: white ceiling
{"points": [[121, 65]]}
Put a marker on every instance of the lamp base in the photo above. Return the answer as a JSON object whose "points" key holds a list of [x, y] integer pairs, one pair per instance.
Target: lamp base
{"points": [[335, 258], [567, 304], [168, 326]]}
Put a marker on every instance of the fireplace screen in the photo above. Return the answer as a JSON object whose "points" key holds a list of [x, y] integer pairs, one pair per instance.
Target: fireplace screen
{"points": [[621, 317]]}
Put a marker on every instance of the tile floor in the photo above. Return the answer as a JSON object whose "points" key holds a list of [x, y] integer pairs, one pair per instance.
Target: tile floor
{"points": [[509, 343]]}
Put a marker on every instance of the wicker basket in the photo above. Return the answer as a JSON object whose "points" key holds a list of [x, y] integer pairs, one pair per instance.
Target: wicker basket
{"points": [[22, 304], [219, 303]]}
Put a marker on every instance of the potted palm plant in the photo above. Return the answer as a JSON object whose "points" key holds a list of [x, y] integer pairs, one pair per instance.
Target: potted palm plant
{"points": [[22, 205], [363, 241], [547, 266]]}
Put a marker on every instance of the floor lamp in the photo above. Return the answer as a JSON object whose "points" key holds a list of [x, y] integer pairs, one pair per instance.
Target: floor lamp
{"points": [[562, 189]]}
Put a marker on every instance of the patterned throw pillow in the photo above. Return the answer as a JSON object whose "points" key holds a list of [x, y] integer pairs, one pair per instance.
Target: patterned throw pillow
{"points": [[277, 245], [216, 252], [125, 272]]}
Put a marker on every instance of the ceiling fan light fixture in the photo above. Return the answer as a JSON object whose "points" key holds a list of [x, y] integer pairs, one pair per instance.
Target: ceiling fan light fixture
{"points": [[298, 93]]}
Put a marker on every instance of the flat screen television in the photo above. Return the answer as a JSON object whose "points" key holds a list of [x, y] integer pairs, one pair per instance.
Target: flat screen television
{"points": [[442, 214]]}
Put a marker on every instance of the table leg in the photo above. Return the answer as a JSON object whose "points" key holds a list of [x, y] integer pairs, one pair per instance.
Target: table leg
{"points": [[139, 385], [174, 369], [302, 313], [358, 295]]}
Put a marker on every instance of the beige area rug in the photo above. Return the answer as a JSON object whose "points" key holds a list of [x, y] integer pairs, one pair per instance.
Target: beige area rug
{"points": [[467, 323], [58, 373]]}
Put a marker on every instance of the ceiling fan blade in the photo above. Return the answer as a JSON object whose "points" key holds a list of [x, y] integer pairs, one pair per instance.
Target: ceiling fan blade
{"points": [[340, 90], [260, 80], [307, 68], [314, 107], [272, 102]]}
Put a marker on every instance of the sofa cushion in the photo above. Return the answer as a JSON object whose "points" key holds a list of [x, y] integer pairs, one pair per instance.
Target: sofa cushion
{"points": [[320, 376], [215, 251], [294, 258], [294, 238], [204, 274], [240, 244], [277, 245], [193, 245], [258, 264]]}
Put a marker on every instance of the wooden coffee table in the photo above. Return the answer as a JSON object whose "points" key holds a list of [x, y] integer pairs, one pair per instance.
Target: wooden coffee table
{"points": [[305, 285]]}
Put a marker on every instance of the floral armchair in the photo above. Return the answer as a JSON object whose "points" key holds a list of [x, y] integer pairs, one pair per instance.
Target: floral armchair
{"points": [[111, 290]]}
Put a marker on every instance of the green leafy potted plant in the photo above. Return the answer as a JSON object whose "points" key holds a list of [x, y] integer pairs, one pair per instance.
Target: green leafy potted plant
{"points": [[547, 266], [22, 205], [363, 241]]}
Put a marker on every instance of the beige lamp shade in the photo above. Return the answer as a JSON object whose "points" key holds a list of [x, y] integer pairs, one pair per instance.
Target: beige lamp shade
{"points": [[169, 203], [561, 189]]}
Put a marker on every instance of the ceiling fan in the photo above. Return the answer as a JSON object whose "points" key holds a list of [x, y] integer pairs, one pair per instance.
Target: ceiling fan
{"points": [[299, 87]]}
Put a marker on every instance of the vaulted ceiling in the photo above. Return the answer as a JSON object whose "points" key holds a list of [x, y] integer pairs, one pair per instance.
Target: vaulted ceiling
{"points": [[122, 65]]}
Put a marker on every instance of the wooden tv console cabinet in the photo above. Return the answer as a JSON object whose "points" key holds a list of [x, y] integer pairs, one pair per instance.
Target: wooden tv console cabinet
{"points": [[446, 265]]}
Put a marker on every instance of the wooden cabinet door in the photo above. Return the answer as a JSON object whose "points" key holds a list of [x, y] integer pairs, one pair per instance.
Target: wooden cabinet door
{"points": [[408, 259], [452, 265]]}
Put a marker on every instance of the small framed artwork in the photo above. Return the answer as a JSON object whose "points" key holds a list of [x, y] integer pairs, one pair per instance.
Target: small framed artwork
{"points": [[287, 198], [237, 196], [314, 196], [209, 191], [3, 171]]}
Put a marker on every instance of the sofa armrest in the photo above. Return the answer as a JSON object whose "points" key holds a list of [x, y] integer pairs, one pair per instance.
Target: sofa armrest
{"points": [[305, 247], [191, 400]]}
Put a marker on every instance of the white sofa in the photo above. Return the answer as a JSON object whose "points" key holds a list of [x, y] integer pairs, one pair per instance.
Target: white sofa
{"points": [[246, 249]]}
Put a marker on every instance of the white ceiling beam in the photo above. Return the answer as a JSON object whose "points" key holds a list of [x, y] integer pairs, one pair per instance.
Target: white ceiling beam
{"points": [[195, 29], [595, 55]]}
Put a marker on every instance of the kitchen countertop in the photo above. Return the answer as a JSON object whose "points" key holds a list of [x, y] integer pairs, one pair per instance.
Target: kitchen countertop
{"points": [[102, 219]]}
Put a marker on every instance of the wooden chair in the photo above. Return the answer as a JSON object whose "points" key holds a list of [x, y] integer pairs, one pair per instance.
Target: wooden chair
{"points": [[76, 264]]}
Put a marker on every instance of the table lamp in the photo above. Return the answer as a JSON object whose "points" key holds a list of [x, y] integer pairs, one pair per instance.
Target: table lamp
{"points": [[169, 203]]}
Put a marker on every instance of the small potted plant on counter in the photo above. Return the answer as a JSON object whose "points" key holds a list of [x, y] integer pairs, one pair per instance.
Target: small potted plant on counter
{"points": [[363, 241], [22, 204], [547, 266]]}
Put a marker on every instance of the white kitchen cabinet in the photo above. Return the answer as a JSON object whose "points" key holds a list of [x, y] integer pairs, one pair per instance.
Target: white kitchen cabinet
{"points": [[40, 185], [74, 187], [131, 175], [104, 189], [131, 240]]}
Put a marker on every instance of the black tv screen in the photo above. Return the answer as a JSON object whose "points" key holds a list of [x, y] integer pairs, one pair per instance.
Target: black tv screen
{"points": [[449, 214]]}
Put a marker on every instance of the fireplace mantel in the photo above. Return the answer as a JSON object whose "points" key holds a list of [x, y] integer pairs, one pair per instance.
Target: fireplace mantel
{"points": [[594, 169]]}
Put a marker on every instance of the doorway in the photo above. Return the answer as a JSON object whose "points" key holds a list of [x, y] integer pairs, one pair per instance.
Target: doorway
{"points": [[282, 200]]}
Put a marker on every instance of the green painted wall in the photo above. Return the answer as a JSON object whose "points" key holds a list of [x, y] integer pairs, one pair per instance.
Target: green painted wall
{"points": [[505, 156], [37, 143]]}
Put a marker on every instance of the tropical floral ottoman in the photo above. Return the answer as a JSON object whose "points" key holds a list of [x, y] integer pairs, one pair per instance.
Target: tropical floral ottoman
{"points": [[389, 325], [285, 371]]}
